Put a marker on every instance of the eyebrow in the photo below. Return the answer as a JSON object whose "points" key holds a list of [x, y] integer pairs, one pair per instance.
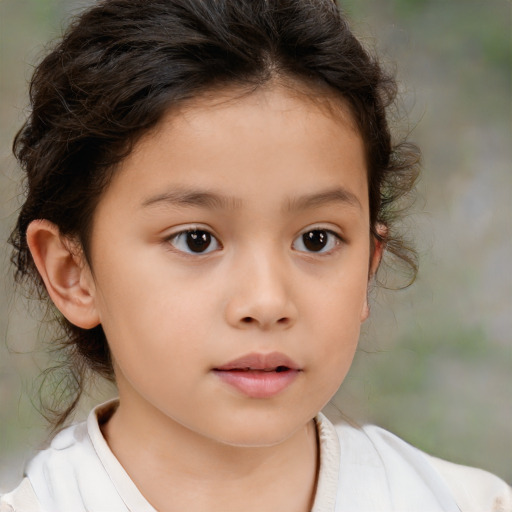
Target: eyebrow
{"points": [[335, 195], [213, 200], [189, 197]]}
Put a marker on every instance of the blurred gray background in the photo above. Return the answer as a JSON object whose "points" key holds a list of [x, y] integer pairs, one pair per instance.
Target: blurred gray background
{"points": [[435, 361]]}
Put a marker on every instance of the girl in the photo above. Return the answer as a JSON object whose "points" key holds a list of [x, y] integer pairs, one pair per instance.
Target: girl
{"points": [[211, 186]]}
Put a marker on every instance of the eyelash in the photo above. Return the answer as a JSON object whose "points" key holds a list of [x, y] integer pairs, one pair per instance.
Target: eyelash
{"points": [[332, 237], [207, 236], [328, 237]]}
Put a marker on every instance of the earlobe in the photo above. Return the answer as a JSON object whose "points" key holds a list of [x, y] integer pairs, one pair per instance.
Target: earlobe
{"points": [[365, 312], [378, 246], [65, 273]]}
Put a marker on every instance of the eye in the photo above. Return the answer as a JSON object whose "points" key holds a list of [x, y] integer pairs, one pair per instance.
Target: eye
{"points": [[316, 240], [194, 241]]}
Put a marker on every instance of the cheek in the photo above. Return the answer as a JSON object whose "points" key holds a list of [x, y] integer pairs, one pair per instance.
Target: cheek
{"points": [[339, 299], [333, 359], [156, 312], [335, 324]]}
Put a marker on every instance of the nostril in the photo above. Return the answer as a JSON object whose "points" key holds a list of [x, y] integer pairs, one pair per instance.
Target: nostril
{"points": [[248, 320]]}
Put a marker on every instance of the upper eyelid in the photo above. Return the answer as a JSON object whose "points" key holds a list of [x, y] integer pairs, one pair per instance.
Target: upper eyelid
{"points": [[319, 227], [171, 233], [337, 235], [186, 228]]}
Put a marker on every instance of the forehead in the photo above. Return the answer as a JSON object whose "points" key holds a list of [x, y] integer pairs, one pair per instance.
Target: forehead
{"points": [[284, 95], [238, 142]]}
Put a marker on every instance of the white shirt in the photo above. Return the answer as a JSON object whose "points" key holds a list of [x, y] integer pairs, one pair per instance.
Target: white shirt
{"points": [[362, 469]]}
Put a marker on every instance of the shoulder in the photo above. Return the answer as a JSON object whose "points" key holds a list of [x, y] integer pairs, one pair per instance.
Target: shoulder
{"points": [[77, 472], [51, 476], [21, 499], [69, 475], [409, 472], [475, 488]]}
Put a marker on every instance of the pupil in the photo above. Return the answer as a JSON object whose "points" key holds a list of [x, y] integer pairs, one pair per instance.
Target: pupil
{"points": [[198, 241], [315, 240]]}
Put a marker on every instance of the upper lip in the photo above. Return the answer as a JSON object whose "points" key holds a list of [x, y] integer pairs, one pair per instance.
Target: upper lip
{"points": [[257, 361]]}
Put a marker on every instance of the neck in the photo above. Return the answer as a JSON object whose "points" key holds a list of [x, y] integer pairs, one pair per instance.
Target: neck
{"points": [[178, 469]]}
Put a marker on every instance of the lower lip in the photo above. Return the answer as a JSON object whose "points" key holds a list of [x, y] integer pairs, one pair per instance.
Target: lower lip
{"points": [[258, 384]]}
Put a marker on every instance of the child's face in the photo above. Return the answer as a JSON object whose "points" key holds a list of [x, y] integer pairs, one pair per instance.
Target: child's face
{"points": [[272, 190]]}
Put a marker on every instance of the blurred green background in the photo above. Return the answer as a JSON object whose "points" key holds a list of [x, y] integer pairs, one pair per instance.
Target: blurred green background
{"points": [[435, 361]]}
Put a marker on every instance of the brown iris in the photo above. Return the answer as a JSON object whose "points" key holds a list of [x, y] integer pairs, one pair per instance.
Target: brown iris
{"points": [[315, 240]]}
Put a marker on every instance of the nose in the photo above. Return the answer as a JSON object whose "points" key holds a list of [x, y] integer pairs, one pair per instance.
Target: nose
{"points": [[261, 295]]}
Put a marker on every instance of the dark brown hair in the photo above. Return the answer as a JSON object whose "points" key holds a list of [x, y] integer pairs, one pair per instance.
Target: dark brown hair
{"points": [[122, 64]]}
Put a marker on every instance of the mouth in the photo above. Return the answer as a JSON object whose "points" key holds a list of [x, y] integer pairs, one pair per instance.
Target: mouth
{"points": [[259, 375], [273, 362], [277, 369]]}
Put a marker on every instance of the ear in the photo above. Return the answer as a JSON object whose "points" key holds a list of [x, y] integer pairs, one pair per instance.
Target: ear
{"points": [[65, 273], [377, 250]]}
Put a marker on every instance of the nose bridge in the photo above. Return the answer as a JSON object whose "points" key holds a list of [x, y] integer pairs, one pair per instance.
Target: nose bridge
{"points": [[268, 268], [261, 294]]}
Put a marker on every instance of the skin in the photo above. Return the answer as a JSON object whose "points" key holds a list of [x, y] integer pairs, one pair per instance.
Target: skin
{"points": [[282, 166]]}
